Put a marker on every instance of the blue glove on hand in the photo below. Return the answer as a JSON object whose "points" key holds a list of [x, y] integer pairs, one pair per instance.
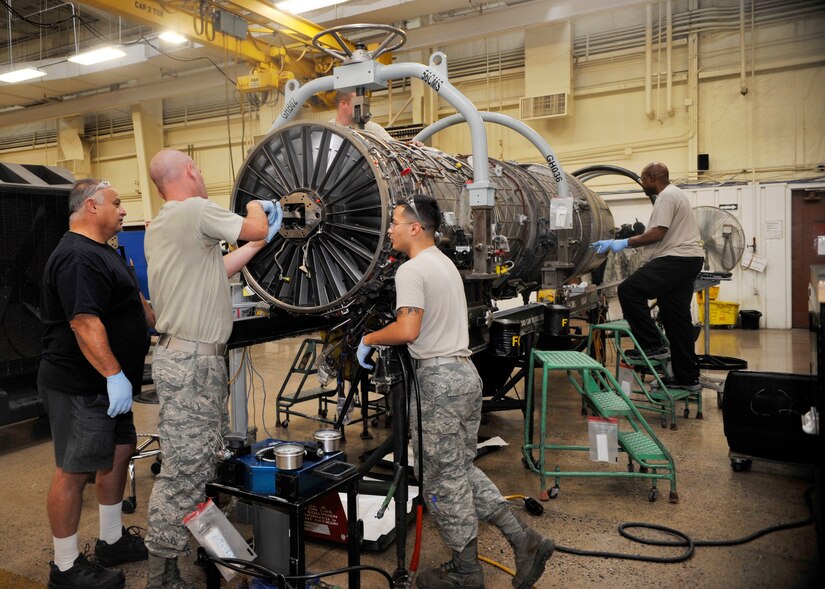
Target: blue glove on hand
{"points": [[602, 246], [614, 245], [618, 245], [120, 394], [362, 353], [274, 217]]}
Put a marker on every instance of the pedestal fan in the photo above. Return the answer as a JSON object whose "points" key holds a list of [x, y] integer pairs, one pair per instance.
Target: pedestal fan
{"points": [[724, 243]]}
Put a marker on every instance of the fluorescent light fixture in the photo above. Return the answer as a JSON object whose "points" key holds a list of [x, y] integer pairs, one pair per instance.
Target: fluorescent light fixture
{"points": [[299, 6], [97, 55], [21, 75], [172, 37]]}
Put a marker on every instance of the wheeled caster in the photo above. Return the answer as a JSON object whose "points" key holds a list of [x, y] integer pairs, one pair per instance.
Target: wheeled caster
{"points": [[374, 422], [740, 464], [323, 413], [285, 423], [664, 422], [642, 469], [553, 491], [129, 505], [653, 494], [155, 467], [630, 467], [686, 413]]}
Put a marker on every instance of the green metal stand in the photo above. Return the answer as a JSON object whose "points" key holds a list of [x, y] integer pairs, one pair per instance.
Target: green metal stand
{"points": [[600, 390], [652, 396]]}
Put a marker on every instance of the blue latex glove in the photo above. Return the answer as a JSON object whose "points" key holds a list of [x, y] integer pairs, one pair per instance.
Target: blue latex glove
{"points": [[602, 246], [614, 245], [274, 217], [120, 394], [618, 245], [362, 353]]}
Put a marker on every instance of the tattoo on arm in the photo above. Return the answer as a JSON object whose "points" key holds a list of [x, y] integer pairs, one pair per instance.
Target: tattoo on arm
{"points": [[408, 311]]}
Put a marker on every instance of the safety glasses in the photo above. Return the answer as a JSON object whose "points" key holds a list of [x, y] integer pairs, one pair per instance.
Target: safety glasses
{"points": [[102, 185]]}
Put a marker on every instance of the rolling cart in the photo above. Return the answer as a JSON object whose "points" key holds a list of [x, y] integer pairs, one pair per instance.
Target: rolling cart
{"points": [[599, 388], [652, 396]]}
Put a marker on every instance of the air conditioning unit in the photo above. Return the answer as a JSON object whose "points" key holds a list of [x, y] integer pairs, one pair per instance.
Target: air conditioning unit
{"points": [[545, 107]]}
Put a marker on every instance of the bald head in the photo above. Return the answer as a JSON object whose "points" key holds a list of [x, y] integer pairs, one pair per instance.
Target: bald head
{"points": [[176, 175], [657, 170], [655, 178]]}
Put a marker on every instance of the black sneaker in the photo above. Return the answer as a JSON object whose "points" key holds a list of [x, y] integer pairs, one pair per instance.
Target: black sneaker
{"points": [[672, 383], [129, 548], [85, 574], [659, 353]]}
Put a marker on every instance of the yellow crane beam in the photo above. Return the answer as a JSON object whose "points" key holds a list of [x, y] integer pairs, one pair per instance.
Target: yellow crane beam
{"points": [[187, 19]]}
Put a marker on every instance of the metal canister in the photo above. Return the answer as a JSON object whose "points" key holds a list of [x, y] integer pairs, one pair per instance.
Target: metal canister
{"points": [[289, 456], [329, 440]]}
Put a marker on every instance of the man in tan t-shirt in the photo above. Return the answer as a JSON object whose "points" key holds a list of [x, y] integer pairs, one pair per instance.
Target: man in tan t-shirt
{"points": [[674, 257], [189, 286], [431, 319]]}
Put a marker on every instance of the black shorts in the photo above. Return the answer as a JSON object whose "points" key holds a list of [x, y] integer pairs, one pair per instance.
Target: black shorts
{"points": [[84, 436]]}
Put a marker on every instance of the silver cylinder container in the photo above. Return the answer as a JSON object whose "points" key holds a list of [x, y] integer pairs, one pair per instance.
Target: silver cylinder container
{"points": [[328, 439], [289, 456]]}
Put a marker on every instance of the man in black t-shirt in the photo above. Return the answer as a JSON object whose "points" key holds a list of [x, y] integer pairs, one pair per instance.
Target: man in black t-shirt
{"points": [[95, 339]]}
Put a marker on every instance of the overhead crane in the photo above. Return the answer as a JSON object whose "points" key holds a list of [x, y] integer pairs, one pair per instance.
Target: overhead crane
{"points": [[276, 44]]}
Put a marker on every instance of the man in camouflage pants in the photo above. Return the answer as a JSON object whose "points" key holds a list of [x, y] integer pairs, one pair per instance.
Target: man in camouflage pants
{"points": [[189, 287], [431, 318]]}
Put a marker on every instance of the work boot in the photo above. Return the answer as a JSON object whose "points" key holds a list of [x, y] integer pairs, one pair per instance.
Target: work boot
{"points": [[85, 574], [532, 555], [531, 549], [463, 571], [128, 548], [164, 574]]}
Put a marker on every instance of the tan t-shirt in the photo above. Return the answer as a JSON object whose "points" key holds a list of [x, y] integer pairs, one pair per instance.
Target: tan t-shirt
{"points": [[187, 279], [682, 239], [430, 281], [370, 127]]}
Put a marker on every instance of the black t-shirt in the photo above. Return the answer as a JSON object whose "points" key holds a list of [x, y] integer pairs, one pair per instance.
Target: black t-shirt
{"points": [[84, 276]]}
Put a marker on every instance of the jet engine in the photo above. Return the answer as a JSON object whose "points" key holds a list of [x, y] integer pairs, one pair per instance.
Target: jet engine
{"points": [[338, 188]]}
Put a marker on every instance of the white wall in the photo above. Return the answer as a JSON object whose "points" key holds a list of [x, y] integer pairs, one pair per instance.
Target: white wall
{"points": [[768, 291]]}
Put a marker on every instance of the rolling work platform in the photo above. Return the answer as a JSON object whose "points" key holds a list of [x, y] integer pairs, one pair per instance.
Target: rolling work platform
{"points": [[600, 390], [654, 395]]}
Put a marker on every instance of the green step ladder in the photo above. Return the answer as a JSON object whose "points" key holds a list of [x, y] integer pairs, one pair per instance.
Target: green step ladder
{"points": [[654, 395], [603, 394]]}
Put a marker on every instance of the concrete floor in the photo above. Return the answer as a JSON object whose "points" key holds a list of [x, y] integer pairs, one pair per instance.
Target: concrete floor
{"points": [[716, 503]]}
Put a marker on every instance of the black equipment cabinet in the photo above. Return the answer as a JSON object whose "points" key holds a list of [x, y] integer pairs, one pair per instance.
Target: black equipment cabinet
{"points": [[762, 415], [34, 215]]}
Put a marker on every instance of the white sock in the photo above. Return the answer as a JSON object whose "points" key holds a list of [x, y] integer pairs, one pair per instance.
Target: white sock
{"points": [[111, 523], [65, 552]]}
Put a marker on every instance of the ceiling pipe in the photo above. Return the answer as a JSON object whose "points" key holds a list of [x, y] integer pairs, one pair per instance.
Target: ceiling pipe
{"points": [[669, 44], [743, 80], [649, 61]]}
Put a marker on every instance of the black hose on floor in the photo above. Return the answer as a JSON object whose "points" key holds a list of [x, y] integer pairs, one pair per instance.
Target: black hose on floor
{"points": [[683, 540]]}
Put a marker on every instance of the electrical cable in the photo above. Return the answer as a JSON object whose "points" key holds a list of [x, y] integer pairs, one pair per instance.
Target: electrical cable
{"points": [[245, 567], [410, 377], [684, 540]]}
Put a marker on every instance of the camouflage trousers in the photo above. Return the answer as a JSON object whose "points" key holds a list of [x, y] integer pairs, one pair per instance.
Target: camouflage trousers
{"points": [[457, 493], [193, 395]]}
